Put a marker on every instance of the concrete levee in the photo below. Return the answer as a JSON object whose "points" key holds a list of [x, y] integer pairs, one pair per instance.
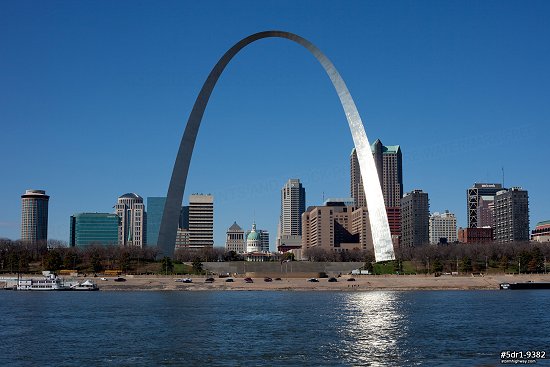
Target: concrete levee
{"points": [[276, 269]]}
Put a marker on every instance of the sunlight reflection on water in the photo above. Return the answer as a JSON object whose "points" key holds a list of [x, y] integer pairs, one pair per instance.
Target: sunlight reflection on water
{"points": [[376, 321]]}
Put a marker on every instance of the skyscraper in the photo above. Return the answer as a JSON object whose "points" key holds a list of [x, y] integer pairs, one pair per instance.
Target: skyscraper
{"points": [[155, 209], [511, 215], [132, 230], [293, 204], [34, 216], [356, 182], [201, 221], [415, 213], [389, 165], [479, 202], [94, 229], [442, 226]]}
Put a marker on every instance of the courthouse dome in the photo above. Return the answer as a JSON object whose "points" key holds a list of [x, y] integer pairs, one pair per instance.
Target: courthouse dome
{"points": [[253, 236]]}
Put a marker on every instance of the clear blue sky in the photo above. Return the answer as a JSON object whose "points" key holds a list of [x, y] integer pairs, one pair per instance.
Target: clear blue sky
{"points": [[94, 96]]}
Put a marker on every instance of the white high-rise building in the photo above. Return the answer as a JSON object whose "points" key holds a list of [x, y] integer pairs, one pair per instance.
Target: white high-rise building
{"points": [[293, 204], [133, 220], [443, 225], [201, 221]]}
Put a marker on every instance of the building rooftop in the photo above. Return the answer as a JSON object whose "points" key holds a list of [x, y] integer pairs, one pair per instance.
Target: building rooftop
{"points": [[345, 201], [235, 227], [130, 195], [543, 223]]}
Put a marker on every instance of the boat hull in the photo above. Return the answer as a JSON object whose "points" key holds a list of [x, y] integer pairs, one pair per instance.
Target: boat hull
{"points": [[526, 285]]}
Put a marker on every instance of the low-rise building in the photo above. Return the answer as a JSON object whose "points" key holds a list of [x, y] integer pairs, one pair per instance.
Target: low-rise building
{"points": [[94, 229], [475, 235], [541, 233], [336, 227]]}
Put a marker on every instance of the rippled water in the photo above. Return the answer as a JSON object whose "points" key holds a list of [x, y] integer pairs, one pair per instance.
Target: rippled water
{"points": [[433, 328]]}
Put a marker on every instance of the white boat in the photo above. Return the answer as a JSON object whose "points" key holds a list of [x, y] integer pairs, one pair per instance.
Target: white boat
{"points": [[86, 285], [49, 282]]}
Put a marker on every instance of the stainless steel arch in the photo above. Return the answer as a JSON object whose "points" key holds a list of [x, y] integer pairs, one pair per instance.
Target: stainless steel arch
{"points": [[383, 247]]}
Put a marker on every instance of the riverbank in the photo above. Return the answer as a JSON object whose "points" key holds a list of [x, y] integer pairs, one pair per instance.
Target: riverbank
{"points": [[361, 283]]}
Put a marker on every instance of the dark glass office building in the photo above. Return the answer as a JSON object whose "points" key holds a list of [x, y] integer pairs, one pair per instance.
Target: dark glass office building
{"points": [[94, 229], [155, 208]]}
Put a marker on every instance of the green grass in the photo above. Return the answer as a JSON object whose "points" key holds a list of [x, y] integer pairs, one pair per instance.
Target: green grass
{"points": [[183, 269]]}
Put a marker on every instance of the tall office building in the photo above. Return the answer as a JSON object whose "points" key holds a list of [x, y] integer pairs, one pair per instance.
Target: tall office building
{"points": [[293, 204], [34, 216], [132, 230], [184, 217], [415, 213], [201, 221], [182, 239], [480, 203], [94, 229], [511, 215], [356, 181], [336, 227], [234, 239], [155, 209], [389, 165], [442, 228]]}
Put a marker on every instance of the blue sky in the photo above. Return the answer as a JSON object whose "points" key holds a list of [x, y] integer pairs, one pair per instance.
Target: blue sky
{"points": [[94, 96]]}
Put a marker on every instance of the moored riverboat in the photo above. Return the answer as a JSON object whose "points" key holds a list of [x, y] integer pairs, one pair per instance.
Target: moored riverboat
{"points": [[525, 285], [49, 282]]}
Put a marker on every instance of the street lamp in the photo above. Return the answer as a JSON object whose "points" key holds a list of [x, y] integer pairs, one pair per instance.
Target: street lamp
{"points": [[428, 264]]}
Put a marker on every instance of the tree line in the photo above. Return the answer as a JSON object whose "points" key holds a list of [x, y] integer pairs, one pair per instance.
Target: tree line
{"points": [[525, 257]]}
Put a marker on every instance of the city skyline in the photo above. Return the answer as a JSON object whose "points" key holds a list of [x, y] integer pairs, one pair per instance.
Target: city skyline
{"points": [[454, 97]]}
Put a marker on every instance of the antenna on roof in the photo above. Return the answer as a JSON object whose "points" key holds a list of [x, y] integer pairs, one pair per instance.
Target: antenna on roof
{"points": [[502, 176]]}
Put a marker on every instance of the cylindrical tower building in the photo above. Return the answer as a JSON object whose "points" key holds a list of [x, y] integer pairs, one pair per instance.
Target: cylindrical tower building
{"points": [[34, 216]]}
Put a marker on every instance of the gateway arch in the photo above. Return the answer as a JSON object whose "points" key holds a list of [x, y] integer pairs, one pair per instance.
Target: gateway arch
{"points": [[383, 247]]}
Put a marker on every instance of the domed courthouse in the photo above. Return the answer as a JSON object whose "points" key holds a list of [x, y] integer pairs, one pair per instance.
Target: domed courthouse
{"points": [[257, 245]]}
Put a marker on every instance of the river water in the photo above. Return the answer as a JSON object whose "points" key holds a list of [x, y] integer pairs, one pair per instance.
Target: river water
{"points": [[264, 328]]}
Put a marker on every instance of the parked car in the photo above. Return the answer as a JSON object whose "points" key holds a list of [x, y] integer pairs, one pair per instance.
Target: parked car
{"points": [[278, 279], [351, 279], [119, 279], [229, 280], [209, 280], [104, 279], [313, 280], [248, 280], [332, 280], [268, 279]]}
